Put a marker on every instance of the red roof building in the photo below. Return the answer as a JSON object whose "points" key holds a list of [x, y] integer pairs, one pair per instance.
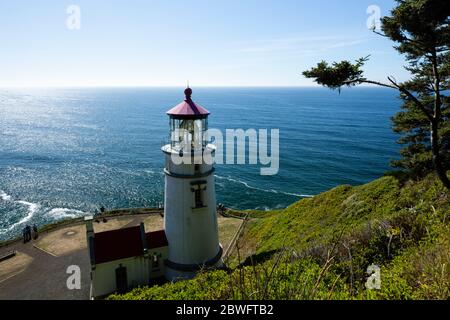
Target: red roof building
{"points": [[125, 243], [156, 239], [118, 244]]}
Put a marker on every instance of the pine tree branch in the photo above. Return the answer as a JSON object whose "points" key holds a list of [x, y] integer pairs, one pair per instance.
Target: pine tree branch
{"points": [[413, 98], [395, 86], [363, 80]]}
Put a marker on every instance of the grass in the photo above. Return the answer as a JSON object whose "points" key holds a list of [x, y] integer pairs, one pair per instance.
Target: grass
{"points": [[320, 248]]}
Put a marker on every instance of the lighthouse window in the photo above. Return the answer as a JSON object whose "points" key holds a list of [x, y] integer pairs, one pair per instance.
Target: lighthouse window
{"points": [[198, 198], [197, 187]]}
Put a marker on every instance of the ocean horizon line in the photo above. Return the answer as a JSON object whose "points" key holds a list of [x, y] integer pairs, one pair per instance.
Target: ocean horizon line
{"points": [[182, 87]]}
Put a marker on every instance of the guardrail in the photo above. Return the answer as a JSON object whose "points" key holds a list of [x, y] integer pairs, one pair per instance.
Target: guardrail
{"points": [[234, 240]]}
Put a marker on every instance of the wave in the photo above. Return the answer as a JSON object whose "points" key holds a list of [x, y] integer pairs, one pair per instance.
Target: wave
{"points": [[264, 190], [154, 172], [62, 213], [32, 208], [4, 196], [55, 213], [264, 208]]}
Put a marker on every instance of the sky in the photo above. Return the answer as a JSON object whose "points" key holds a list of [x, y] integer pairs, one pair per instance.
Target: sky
{"points": [[169, 42]]}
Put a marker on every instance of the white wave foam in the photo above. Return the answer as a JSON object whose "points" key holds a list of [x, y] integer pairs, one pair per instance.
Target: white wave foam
{"points": [[4, 196], [264, 208], [61, 213], [298, 195], [32, 208], [264, 190]]}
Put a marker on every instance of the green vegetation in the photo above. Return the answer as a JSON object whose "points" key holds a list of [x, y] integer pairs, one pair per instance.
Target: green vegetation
{"points": [[320, 248]]}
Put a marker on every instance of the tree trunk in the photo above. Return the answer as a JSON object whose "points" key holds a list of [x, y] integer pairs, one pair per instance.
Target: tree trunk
{"points": [[437, 161]]}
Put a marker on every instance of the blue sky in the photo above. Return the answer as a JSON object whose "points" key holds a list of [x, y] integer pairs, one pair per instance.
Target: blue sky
{"points": [[166, 42]]}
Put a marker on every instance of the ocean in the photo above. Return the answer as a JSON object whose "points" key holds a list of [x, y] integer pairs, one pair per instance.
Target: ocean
{"points": [[64, 153]]}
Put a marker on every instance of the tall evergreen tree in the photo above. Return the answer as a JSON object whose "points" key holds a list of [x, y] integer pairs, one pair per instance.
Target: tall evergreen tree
{"points": [[421, 32]]}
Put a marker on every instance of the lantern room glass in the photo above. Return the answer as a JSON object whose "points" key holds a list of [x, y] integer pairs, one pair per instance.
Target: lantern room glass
{"points": [[188, 133]]}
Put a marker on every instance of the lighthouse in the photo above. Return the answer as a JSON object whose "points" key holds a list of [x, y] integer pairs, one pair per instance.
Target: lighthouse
{"points": [[190, 218]]}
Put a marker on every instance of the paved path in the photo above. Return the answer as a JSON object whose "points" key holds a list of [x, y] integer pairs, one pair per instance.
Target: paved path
{"points": [[45, 278]]}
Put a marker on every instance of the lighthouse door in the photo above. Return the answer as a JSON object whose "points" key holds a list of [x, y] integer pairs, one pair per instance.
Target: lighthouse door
{"points": [[121, 279]]}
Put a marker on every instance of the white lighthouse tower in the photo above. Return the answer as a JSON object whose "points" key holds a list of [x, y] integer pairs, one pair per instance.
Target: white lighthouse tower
{"points": [[190, 218]]}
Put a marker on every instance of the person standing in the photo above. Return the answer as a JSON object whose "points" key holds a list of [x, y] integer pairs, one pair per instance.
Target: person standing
{"points": [[35, 232], [24, 235], [28, 232]]}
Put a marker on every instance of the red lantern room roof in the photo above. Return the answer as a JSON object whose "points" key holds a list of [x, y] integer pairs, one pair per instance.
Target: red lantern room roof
{"points": [[188, 108]]}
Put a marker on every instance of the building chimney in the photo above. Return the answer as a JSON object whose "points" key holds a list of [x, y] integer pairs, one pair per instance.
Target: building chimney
{"points": [[90, 234], [144, 238], [89, 224]]}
